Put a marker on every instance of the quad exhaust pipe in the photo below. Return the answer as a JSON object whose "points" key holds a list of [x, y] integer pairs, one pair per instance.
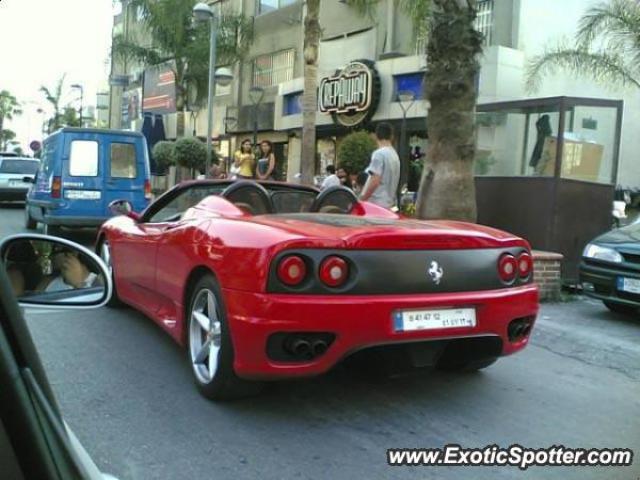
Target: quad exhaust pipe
{"points": [[519, 329], [301, 348], [305, 346]]}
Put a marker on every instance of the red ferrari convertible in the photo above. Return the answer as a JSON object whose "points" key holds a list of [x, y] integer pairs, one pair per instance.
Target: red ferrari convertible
{"points": [[270, 280]]}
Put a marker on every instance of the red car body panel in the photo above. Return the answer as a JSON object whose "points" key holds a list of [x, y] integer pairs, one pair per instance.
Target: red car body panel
{"points": [[362, 321], [154, 264]]}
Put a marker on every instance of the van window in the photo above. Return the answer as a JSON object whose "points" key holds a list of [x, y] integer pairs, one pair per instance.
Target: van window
{"points": [[46, 165], [123, 160], [83, 161]]}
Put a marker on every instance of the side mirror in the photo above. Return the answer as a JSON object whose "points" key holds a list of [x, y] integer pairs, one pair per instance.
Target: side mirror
{"points": [[54, 273], [29, 180], [123, 207]]}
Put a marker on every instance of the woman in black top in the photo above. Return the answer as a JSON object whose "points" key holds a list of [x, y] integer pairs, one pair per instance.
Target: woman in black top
{"points": [[266, 162]]}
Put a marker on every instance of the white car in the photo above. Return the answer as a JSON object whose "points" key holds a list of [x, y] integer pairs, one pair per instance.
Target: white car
{"points": [[16, 177]]}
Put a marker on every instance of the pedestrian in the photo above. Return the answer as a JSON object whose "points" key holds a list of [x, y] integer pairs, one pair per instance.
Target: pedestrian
{"points": [[331, 179], [267, 162], [217, 171], [343, 176], [384, 170], [359, 182], [243, 161]]}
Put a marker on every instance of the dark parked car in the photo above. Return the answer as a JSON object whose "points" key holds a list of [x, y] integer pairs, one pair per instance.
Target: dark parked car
{"points": [[610, 269]]}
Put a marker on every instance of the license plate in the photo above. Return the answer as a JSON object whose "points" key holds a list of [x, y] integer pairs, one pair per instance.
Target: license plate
{"points": [[82, 195], [412, 320], [631, 285]]}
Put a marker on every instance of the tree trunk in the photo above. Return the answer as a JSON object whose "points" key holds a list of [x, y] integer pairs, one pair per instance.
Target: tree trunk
{"points": [[447, 189], [310, 96]]}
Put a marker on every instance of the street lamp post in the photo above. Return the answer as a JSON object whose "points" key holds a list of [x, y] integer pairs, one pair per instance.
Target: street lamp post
{"points": [[79, 87], [204, 13], [229, 124], [406, 99], [256, 94]]}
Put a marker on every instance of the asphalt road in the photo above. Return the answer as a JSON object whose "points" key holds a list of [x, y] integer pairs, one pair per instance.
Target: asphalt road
{"points": [[126, 390]]}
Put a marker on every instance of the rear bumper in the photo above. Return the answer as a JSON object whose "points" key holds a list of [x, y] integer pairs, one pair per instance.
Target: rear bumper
{"points": [[13, 193], [53, 213], [604, 282], [359, 322], [69, 221]]}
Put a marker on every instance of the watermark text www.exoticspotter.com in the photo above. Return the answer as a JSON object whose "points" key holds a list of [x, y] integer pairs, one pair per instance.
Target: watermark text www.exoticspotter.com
{"points": [[515, 456]]}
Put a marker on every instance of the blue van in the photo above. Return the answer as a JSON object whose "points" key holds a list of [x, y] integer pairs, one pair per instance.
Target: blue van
{"points": [[82, 170]]}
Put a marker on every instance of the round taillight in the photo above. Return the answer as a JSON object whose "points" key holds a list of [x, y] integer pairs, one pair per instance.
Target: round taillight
{"points": [[507, 268], [334, 271], [292, 270], [525, 265]]}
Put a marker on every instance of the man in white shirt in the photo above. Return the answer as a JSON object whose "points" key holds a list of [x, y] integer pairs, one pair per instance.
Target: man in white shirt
{"points": [[332, 179], [384, 170], [73, 274]]}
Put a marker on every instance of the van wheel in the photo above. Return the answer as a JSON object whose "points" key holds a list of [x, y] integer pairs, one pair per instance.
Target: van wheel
{"points": [[52, 230], [104, 252], [29, 222]]}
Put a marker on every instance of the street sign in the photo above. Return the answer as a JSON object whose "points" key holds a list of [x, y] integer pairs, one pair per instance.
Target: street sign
{"points": [[35, 146]]}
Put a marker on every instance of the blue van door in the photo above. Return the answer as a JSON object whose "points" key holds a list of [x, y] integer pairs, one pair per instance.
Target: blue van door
{"points": [[126, 172], [82, 177]]}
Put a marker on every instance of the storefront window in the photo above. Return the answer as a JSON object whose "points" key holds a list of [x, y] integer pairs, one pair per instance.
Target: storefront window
{"points": [[589, 140], [510, 144], [292, 104], [266, 6], [273, 69], [409, 82], [524, 141]]}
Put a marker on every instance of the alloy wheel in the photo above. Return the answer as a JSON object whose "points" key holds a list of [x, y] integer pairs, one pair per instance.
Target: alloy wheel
{"points": [[205, 336]]}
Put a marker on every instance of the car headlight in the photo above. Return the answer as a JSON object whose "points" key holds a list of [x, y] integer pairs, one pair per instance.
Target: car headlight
{"points": [[602, 253]]}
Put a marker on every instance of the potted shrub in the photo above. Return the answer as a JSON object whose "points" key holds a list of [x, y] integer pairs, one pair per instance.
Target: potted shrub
{"points": [[354, 152], [190, 153]]}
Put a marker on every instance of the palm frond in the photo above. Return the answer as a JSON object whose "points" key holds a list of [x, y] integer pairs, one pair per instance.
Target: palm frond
{"points": [[420, 12], [126, 50], [50, 97], [602, 66], [617, 21]]}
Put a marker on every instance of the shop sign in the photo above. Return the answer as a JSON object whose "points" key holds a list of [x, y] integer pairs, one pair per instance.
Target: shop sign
{"points": [[351, 96]]}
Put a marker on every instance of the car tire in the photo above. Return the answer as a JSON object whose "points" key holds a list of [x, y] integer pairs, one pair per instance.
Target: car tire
{"points": [[29, 222], [209, 345], [466, 367], [104, 252], [620, 308]]}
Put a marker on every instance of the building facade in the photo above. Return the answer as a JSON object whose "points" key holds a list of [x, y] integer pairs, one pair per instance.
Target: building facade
{"points": [[264, 99]]}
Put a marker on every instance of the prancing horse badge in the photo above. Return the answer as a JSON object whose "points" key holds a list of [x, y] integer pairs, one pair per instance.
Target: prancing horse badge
{"points": [[435, 272]]}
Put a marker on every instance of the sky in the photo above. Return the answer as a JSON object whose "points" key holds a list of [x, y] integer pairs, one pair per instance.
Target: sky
{"points": [[41, 40]]}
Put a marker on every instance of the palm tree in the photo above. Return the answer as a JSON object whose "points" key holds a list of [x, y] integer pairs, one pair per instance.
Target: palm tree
{"points": [[6, 138], [312, 34], [54, 97], [447, 188], [176, 39], [607, 47], [9, 107]]}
